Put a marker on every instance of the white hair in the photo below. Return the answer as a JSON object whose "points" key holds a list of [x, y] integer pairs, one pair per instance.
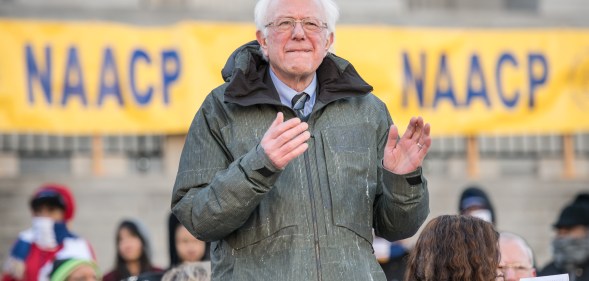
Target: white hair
{"points": [[508, 236], [330, 10]]}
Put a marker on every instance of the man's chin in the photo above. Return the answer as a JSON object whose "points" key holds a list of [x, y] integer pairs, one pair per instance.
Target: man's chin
{"points": [[299, 73], [295, 71], [303, 68]]}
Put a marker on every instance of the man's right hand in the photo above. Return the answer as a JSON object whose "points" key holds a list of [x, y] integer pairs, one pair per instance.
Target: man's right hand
{"points": [[285, 141]]}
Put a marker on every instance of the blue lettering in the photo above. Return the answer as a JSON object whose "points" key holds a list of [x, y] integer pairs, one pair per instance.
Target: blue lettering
{"points": [[33, 72], [444, 77], [476, 79], [170, 71], [535, 82], [506, 57], [413, 80], [109, 79], [142, 98], [73, 79]]}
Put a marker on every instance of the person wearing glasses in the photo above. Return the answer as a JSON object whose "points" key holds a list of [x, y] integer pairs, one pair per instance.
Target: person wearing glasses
{"points": [[290, 164], [455, 248], [517, 258]]}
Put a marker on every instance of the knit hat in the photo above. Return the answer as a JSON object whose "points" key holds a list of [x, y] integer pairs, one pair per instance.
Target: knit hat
{"points": [[576, 213], [63, 268], [475, 197], [55, 195]]}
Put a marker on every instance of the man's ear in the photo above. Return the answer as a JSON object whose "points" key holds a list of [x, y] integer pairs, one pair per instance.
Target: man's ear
{"points": [[329, 40], [262, 41]]}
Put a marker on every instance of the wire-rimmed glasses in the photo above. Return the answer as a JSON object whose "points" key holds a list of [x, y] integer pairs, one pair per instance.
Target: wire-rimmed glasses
{"points": [[288, 24]]}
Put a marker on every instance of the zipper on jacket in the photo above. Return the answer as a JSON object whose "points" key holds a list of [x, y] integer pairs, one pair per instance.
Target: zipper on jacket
{"points": [[313, 208], [313, 216]]}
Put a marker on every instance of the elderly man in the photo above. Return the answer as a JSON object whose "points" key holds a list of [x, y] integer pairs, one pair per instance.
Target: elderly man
{"points": [[571, 245], [289, 165], [517, 258]]}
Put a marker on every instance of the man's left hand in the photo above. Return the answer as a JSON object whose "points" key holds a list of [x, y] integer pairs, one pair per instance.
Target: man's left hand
{"points": [[405, 155]]}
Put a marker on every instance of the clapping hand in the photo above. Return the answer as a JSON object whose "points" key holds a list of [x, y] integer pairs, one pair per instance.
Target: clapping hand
{"points": [[405, 155]]}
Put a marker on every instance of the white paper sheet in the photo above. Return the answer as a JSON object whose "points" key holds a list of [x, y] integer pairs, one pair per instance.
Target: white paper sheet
{"points": [[560, 277]]}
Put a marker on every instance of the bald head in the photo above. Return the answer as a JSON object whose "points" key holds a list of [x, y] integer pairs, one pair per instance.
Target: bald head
{"points": [[517, 258]]}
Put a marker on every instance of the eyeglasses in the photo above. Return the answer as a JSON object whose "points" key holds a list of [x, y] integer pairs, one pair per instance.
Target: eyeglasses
{"points": [[518, 269], [288, 24]]}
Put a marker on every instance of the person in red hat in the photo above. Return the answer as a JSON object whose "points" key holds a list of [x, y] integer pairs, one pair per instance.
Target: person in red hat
{"points": [[49, 238]]}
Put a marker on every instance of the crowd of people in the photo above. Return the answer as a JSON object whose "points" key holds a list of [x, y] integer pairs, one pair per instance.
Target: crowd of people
{"points": [[465, 246], [516, 258], [289, 170], [49, 251]]}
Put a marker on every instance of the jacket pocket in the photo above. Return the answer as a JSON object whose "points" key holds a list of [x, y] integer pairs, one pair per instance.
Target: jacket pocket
{"points": [[244, 237], [350, 155]]}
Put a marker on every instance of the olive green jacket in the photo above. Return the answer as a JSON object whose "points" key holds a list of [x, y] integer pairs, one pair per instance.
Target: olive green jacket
{"points": [[313, 220]]}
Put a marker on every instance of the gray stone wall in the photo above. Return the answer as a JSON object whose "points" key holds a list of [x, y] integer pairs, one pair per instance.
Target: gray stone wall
{"points": [[398, 12]]}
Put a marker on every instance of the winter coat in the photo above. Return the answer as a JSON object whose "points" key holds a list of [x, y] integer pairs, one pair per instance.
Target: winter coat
{"points": [[312, 220]]}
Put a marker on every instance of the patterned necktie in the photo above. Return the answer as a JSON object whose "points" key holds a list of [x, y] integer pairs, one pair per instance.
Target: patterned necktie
{"points": [[298, 104]]}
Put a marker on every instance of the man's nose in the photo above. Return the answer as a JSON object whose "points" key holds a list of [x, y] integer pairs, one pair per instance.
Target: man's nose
{"points": [[298, 31], [510, 275]]}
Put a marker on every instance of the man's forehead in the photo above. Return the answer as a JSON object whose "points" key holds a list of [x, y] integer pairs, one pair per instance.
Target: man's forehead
{"points": [[513, 252]]}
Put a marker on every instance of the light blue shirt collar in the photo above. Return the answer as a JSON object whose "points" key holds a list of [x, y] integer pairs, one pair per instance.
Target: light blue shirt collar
{"points": [[286, 93]]}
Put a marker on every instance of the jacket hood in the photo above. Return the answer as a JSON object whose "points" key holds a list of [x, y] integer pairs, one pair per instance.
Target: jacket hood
{"points": [[249, 82], [58, 195]]}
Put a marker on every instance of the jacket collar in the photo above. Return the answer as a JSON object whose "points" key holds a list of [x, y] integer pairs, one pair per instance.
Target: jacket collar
{"points": [[249, 80]]}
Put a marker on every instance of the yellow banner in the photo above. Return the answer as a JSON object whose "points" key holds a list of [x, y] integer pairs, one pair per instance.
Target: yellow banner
{"points": [[473, 81], [88, 78]]}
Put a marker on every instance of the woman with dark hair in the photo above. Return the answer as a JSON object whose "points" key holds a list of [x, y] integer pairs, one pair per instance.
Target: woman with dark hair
{"points": [[133, 252], [455, 248], [184, 247]]}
